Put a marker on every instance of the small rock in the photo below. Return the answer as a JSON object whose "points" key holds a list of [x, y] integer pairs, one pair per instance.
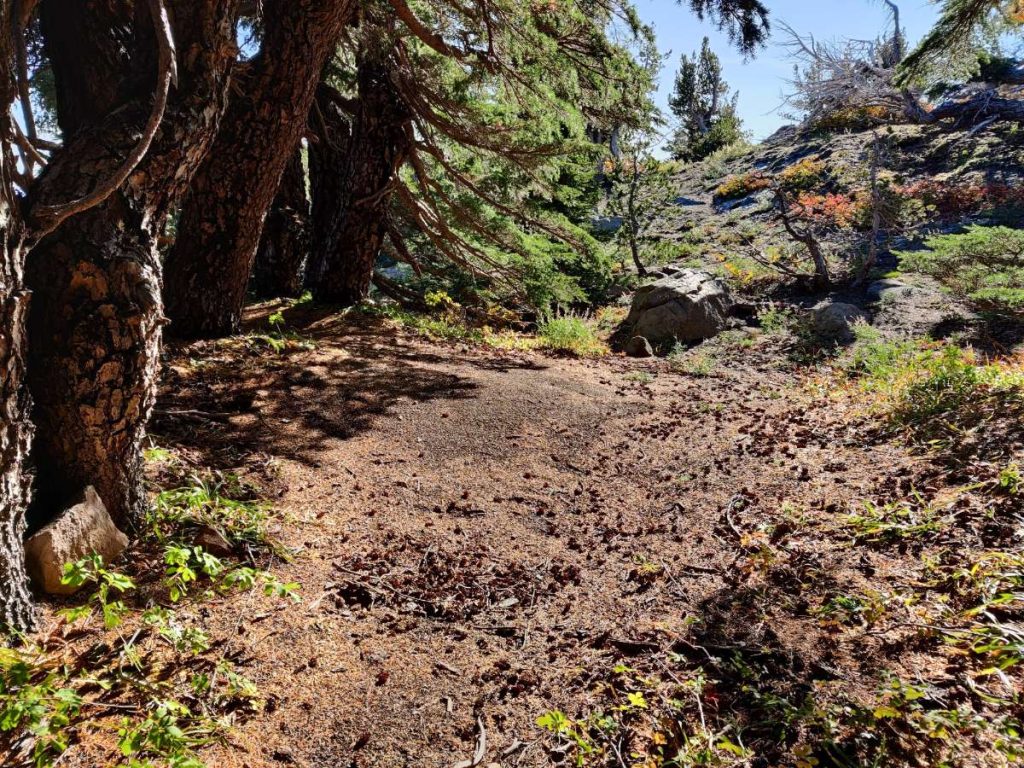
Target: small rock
{"points": [[834, 320], [213, 541], [79, 531], [638, 346], [878, 289]]}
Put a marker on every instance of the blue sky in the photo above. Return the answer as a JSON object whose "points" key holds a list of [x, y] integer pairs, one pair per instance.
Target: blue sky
{"points": [[762, 81]]}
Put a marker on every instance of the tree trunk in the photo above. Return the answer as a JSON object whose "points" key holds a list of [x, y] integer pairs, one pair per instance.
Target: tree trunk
{"points": [[96, 320], [633, 219], [15, 428], [222, 218], [822, 277], [285, 242], [88, 44], [16, 612], [379, 144], [331, 135]]}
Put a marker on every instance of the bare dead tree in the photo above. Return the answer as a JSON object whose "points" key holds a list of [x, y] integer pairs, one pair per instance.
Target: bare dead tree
{"points": [[876, 206], [865, 74], [852, 74]]}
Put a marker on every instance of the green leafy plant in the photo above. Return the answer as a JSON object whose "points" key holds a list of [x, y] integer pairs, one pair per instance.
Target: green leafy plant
{"points": [[279, 337], [895, 521], [570, 333], [984, 265], [218, 500], [110, 585], [1011, 479], [35, 699]]}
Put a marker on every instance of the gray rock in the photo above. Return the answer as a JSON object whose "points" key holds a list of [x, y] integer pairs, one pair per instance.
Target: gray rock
{"points": [[81, 530], [638, 346], [834, 320], [914, 309], [879, 289], [688, 306]]}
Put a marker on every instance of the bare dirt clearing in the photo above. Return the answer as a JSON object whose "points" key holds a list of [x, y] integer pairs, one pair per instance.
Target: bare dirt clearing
{"points": [[483, 537]]}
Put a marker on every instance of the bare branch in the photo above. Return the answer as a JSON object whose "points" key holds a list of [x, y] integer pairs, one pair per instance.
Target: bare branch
{"points": [[22, 12]]}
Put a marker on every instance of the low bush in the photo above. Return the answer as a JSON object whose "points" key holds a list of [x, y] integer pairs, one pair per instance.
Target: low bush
{"points": [[570, 333], [855, 119], [714, 165], [136, 676], [984, 265], [802, 176], [736, 187], [950, 200], [944, 398]]}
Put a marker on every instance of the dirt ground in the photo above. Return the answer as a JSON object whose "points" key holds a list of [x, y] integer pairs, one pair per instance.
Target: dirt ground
{"points": [[482, 536]]}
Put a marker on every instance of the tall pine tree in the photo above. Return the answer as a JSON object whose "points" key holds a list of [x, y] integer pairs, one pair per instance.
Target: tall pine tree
{"points": [[702, 104]]}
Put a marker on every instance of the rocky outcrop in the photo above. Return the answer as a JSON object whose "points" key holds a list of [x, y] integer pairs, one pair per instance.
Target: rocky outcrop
{"points": [[684, 305], [913, 309]]}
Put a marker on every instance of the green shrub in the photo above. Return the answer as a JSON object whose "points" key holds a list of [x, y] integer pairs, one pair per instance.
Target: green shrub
{"points": [[878, 360], [570, 333], [945, 398], [715, 163], [984, 265]]}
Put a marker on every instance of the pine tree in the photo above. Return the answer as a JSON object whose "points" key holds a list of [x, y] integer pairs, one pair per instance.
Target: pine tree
{"points": [[208, 268], [96, 318], [701, 103]]}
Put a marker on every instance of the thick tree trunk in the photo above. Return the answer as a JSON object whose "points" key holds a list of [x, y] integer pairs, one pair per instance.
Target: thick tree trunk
{"points": [[16, 612], [15, 429], [331, 133], [285, 242], [88, 44], [221, 221], [381, 136], [96, 320]]}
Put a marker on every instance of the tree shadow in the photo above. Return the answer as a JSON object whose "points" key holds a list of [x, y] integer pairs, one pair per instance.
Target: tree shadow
{"points": [[240, 396]]}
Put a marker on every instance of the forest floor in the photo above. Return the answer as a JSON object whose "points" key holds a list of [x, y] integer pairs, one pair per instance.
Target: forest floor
{"points": [[484, 538]]}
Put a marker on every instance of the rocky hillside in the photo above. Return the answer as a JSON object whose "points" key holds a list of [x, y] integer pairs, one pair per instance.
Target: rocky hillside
{"points": [[919, 180], [914, 158]]}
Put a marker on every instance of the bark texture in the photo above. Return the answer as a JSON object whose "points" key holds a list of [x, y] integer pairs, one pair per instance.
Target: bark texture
{"points": [[96, 320], [89, 44], [16, 612], [331, 133], [222, 219], [357, 221], [284, 245]]}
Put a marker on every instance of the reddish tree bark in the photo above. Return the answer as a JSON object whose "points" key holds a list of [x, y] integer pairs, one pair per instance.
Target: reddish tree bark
{"points": [[330, 135], [222, 219], [284, 244], [355, 217], [88, 43], [96, 319]]}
